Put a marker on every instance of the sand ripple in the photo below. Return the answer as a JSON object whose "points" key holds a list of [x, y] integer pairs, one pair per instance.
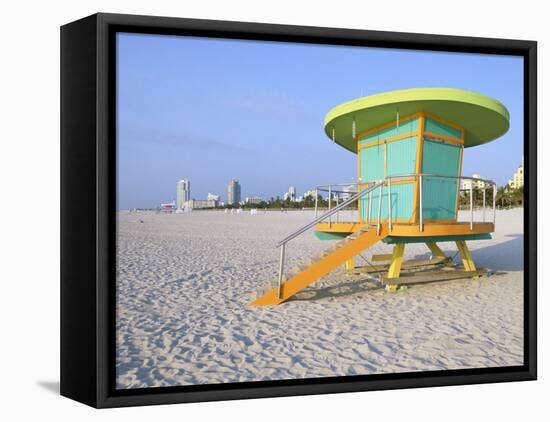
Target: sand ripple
{"points": [[184, 281]]}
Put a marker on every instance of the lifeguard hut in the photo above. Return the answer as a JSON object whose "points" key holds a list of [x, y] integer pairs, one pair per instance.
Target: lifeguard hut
{"points": [[409, 147]]}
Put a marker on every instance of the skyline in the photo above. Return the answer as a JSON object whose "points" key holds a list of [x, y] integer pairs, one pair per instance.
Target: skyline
{"points": [[216, 110], [297, 195]]}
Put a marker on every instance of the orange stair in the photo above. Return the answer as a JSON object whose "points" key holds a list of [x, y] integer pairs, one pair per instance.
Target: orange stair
{"points": [[303, 275]]}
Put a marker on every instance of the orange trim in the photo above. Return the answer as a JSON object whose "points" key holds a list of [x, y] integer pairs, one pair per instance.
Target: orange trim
{"points": [[446, 138], [407, 181], [419, 151], [442, 229], [346, 227], [385, 159], [440, 220], [388, 140], [359, 180], [385, 125], [438, 228]]}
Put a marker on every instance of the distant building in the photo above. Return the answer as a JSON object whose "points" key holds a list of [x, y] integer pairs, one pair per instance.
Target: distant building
{"points": [[212, 197], [467, 183], [310, 193], [516, 181], [183, 193], [348, 192], [233, 192], [196, 204], [168, 207], [254, 200], [292, 193]]}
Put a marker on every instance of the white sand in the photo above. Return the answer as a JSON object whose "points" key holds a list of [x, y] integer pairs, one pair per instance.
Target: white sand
{"points": [[184, 282]]}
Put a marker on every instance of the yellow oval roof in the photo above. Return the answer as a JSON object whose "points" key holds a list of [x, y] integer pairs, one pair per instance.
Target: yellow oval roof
{"points": [[483, 118]]}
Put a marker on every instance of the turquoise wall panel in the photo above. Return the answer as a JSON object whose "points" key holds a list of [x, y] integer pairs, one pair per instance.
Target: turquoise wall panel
{"points": [[401, 160], [435, 126], [407, 126], [440, 158], [372, 163], [439, 195], [402, 202], [439, 198], [402, 156]]}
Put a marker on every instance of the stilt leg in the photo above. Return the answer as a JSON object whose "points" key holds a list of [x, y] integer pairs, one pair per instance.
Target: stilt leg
{"points": [[392, 288], [465, 255], [350, 264], [396, 261], [436, 250]]}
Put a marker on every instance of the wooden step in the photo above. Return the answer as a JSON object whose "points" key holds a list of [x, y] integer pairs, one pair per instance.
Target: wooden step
{"points": [[431, 276], [406, 264]]}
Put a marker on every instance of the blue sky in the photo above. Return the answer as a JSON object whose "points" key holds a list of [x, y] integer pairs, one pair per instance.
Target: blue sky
{"points": [[211, 110]]}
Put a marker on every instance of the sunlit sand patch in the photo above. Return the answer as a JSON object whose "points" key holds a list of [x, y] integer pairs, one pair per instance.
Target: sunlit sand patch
{"points": [[184, 281]]}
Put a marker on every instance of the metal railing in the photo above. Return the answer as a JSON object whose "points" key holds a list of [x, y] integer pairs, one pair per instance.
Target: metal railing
{"points": [[328, 214], [364, 188], [335, 189]]}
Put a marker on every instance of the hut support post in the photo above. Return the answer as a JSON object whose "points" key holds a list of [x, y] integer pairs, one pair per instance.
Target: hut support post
{"points": [[465, 255], [436, 250], [396, 260]]}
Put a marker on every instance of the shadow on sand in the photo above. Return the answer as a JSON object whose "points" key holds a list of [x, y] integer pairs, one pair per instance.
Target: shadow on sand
{"points": [[348, 288], [504, 256], [500, 257]]}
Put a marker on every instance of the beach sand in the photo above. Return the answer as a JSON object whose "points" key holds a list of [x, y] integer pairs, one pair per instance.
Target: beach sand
{"points": [[184, 280]]}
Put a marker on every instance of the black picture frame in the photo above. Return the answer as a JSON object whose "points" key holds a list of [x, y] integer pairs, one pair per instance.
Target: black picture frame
{"points": [[88, 198]]}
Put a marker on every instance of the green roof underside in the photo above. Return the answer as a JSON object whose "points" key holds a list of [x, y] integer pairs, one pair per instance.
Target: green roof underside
{"points": [[483, 118]]}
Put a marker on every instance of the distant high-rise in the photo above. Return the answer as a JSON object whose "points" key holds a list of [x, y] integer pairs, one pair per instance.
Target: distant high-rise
{"points": [[183, 193], [467, 183], [516, 181], [291, 194], [233, 192]]}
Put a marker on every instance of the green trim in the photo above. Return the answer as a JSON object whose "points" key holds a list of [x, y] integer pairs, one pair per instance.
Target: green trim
{"points": [[330, 235], [447, 238], [483, 118]]}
